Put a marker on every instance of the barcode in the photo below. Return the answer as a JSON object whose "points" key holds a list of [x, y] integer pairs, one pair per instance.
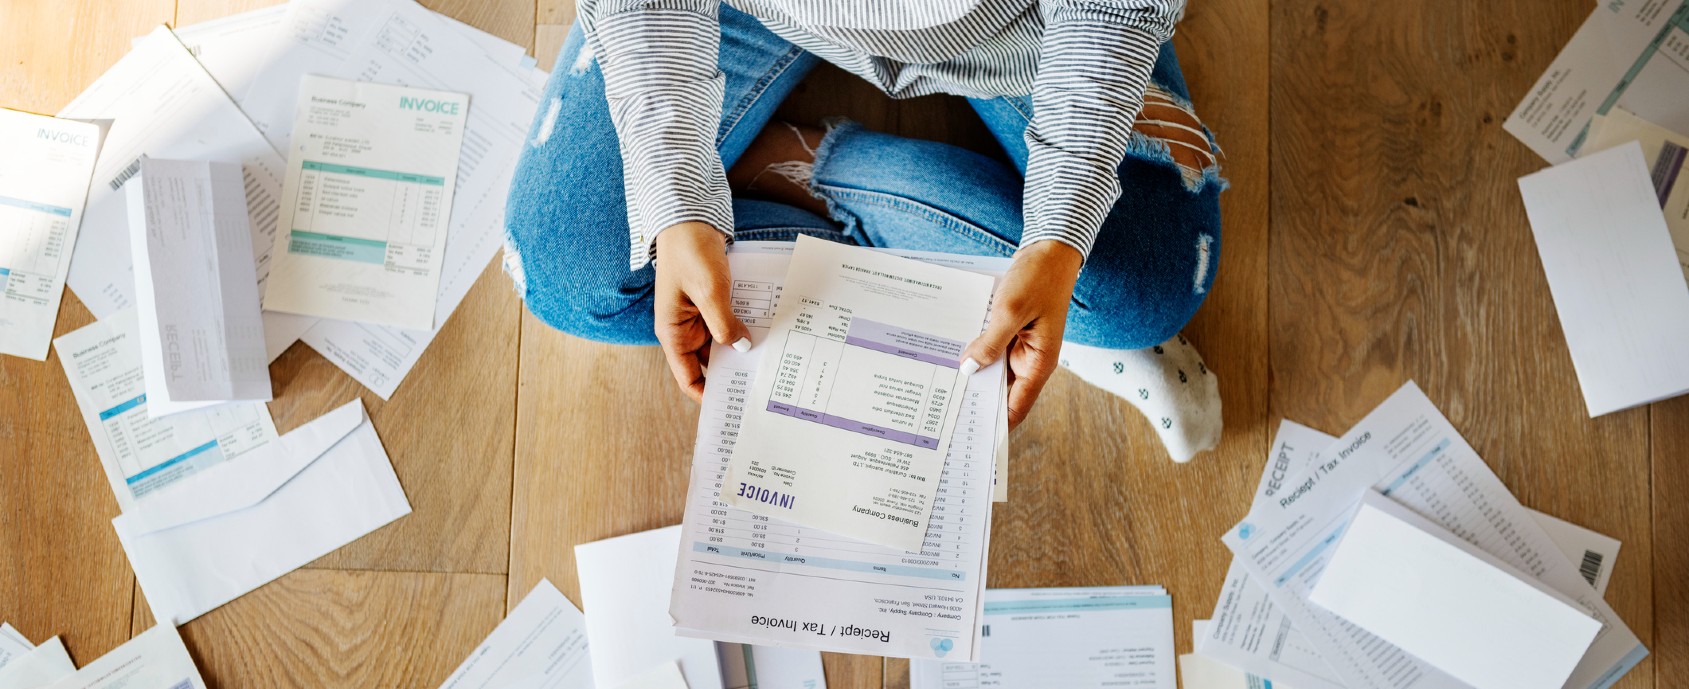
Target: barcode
{"points": [[117, 182], [1666, 169], [1590, 568], [985, 630]]}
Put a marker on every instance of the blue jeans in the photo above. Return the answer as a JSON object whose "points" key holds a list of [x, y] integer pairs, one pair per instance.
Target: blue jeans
{"points": [[567, 228]]}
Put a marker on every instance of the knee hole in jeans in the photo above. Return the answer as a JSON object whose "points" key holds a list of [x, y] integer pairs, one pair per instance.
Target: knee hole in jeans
{"points": [[1169, 126]]}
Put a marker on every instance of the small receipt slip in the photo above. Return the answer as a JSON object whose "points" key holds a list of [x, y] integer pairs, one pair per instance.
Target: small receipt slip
{"points": [[196, 289], [848, 428], [1431, 594], [43, 185], [365, 202]]}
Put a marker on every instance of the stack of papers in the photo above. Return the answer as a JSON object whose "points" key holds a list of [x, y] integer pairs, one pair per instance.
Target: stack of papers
{"points": [[755, 579], [24, 665], [154, 659], [1413, 458], [1081, 638], [542, 643], [43, 183]]}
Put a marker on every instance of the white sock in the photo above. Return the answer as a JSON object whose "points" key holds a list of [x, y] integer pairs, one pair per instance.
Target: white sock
{"points": [[1167, 382]]}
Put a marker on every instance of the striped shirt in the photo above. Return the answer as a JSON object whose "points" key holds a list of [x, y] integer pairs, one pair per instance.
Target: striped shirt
{"points": [[1086, 64]]}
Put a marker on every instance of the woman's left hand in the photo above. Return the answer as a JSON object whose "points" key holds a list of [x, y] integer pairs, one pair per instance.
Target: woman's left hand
{"points": [[1028, 317]]}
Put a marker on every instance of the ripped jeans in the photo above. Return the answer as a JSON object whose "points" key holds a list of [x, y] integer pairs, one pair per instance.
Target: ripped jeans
{"points": [[567, 229]]}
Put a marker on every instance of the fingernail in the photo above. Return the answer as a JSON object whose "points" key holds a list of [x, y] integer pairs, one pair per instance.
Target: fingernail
{"points": [[743, 345], [969, 367]]}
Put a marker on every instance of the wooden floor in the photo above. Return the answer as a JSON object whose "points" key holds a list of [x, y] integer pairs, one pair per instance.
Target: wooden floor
{"points": [[1373, 234]]}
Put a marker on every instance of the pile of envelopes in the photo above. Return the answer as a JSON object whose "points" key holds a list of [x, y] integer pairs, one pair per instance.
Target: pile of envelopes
{"points": [[1393, 554]]}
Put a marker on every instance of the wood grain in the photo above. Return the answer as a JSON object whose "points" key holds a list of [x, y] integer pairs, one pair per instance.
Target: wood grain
{"points": [[1401, 251], [330, 628], [62, 571], [1671, 531]]}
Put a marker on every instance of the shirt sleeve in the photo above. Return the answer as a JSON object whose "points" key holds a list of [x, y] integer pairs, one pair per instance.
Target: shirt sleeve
{"points": [[664, 87], [1093, 68]]}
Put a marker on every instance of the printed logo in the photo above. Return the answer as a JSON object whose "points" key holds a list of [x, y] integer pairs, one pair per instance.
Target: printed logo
{"points": [[940, 647], [1245, 530], [428, 105]]}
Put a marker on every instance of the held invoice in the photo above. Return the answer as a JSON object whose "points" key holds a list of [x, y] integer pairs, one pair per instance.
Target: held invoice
{"points": [[43, 184], [1407, 450], [759, 580], [366, 201], [848, 432]]}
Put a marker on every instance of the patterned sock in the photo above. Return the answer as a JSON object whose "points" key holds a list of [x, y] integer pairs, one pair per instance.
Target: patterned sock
{"points": [[1168, 383]]}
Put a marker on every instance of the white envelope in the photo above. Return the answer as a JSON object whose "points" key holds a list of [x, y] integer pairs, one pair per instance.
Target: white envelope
{"points": [[239, 525]]}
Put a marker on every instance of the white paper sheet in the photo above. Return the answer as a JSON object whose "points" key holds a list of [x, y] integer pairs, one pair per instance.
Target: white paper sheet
{"points": [[665, 675], [366, 202], [1072, 638], [38, 667], [1408, 451], [1621, 297], [1667, 154], [234, 527], [156, 659], [540, 645], [625, 584], [1629, 54], [201, 333], [1198, 671], [866, 380], [12, 644], [43, 184], [1425, 591], [396, 41], [744, 666], [752, 579], [159, 102], [141, 454]]}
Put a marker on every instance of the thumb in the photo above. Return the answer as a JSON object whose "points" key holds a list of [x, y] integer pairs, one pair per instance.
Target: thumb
{"points": [[715, 304], [986, 349]]}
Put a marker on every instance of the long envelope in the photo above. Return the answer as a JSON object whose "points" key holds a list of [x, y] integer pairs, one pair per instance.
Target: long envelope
{"points": [[229, 529]]}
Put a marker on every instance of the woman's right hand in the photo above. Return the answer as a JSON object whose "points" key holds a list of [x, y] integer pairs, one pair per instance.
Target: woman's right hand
{"points": [[694, 304]]}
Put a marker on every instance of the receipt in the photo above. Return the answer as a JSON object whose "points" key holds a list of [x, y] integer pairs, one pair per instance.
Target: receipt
{"points": [[43, 183]]}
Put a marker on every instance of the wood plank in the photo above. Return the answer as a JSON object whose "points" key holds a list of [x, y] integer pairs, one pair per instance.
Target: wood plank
{"points": [[548, 41], [511, 20], [331, 628], [1401, 251], [54, 493], [1670, 444]]}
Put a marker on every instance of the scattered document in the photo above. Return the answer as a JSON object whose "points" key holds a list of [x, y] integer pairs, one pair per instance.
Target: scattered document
{"points": [[202, 337], [849, 431], [222, 532], [1198, 671], [401, 42], [1667, 155], [43, 184], [37, 667], [158, 102], [1594, 553], [666, 675], [1629, 54], [142, 454], [156, 659], [366, 201], [625, 583], [754, 579], [1621, 296], [1426, 591], [744, 666], [12, 644], [540, 645], [1408, 451], [235, 48], [1077, 639]]}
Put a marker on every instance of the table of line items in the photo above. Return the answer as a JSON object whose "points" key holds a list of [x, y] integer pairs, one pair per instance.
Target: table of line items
{"points": [[864, 376], [32, 249]]}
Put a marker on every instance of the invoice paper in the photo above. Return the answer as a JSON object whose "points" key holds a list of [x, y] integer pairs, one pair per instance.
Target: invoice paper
{"points": [[213, 537], [400, 42], [1251, 634], [156, 659], [367, 196], [849, 432], [1422, 589], [141, 454], [158, 102], [1629, 54], [1198, 671], [744, 666], [755, 579], [1667, 155], [1406, 450], [1621, 296], [540, 645], [625, 582], [43, 184], [1087, 639], [12, 644], [37, 667], [196, 293]]}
